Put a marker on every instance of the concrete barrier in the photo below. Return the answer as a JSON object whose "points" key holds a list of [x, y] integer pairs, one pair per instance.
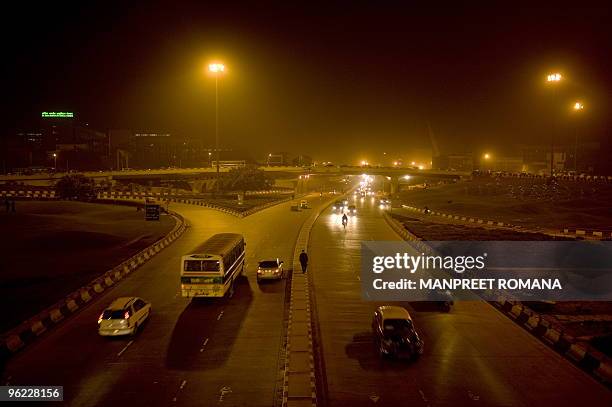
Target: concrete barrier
{"points": [[587, 359], [26, 332], [581, 233], [299, 377]]}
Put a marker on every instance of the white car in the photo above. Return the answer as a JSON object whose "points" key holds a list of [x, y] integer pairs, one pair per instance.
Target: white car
{"points": [[124, 316], [270, 270]]}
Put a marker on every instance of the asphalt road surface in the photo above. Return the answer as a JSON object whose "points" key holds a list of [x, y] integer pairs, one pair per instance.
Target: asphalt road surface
{"points": [[202, 352], [474, 355]]}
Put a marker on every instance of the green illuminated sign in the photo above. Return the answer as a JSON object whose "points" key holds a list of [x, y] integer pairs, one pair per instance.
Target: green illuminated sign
{"points": [[57, 114]]}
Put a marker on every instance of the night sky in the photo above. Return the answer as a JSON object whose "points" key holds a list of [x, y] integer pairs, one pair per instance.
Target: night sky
{"points": [[340, 82]]}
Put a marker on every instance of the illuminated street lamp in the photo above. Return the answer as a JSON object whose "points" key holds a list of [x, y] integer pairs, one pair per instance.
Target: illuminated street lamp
{"points": [[553, 78], [487, 156], [578, 107], [54, 161], [216, 69]]}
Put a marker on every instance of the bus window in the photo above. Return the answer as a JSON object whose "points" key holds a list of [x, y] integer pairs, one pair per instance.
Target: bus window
{"points": [[201, 265], [210, 265], [193, 265]]}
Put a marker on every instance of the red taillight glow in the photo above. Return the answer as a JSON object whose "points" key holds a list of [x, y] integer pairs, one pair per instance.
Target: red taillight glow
{"points": [[126, 315]]}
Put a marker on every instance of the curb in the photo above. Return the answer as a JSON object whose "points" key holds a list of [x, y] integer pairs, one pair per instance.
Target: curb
{"points": [[589, 360], [219, 208], [576, 233], [30, 329], [299, 376], [233, 212], [31, 194]]}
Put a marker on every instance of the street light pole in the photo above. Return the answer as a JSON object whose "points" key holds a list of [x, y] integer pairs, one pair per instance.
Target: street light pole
{"points": [[553, 78], [216, 69], [577, 107], [217, 127]]}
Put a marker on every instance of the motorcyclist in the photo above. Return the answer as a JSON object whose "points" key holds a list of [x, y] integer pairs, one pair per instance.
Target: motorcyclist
{"points": [[344, 220]]}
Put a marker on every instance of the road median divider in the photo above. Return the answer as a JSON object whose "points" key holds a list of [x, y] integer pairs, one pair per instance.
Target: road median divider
{"points": [[300, 373], [140, 200], [19, 337]]}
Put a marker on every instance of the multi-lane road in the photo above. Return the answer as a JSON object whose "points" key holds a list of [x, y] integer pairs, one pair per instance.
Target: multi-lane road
{"points": [[229, 351], [473, 355], [200, 352]]}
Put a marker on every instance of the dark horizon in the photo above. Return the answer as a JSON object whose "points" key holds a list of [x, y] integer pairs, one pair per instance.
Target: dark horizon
{"points": [[334, 82]]}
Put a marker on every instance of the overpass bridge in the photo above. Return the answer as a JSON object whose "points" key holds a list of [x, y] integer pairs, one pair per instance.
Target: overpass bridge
{"points": [[198, 177], [209, 172]]}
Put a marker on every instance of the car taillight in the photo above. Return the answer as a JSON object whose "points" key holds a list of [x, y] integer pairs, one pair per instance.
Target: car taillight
{"points": [[126, 315], [100, 318]]}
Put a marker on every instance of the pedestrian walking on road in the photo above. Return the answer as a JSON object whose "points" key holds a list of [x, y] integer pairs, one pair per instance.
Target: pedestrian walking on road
{"points": [[304, 261]]}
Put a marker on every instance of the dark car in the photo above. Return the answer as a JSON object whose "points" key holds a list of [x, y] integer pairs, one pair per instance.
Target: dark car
{"points": [[394, 333]]}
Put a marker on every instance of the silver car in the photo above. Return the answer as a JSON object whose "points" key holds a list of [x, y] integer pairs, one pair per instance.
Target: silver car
{"points": [[270, 270], [124, 316]]}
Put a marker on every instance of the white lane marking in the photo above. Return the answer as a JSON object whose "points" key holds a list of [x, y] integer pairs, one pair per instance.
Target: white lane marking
{"points": [[183, 383], [125, 348], [203, 345], [423, 397], [224, 390], [220, 315], [473, 396]]}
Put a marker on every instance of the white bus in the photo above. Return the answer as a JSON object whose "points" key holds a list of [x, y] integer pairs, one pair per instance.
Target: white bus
{"points": [[213, 268]]}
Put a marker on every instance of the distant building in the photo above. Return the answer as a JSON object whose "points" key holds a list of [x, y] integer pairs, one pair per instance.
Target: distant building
{"points": [[505, 164], [453, 162], [302, 161], [278, 159], [56, 140], [585, 157]]}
